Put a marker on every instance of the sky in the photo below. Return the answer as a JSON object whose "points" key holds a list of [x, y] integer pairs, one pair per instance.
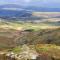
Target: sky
{"points": [[38, 3]]}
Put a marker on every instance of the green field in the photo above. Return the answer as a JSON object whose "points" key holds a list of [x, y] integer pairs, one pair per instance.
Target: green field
{"points": [[23, 26]]}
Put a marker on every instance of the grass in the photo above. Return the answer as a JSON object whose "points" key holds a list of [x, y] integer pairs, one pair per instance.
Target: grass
{"points": [[21, 26], [40, 48], [17, 49], [52, 50], [49, 49]]}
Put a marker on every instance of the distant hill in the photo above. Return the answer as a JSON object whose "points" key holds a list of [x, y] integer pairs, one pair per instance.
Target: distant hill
{"points": [[10, 6], [18, 12], [43, 9], [14, 13], [31, 8]]}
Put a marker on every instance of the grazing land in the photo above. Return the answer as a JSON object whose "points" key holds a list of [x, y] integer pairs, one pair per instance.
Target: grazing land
{"points": [[40, 38]]}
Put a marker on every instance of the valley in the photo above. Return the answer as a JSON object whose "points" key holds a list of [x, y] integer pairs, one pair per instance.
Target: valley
{"points": [[39, 36], [29, 30]]}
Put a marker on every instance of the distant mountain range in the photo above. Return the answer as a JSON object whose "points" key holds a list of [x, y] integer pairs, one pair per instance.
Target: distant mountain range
{"points": [[29, 8], [14, 13], [18, 11], [10, 6]]}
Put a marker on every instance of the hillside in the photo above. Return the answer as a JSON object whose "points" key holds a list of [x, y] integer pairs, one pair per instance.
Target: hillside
{"points": [[43, 36]]}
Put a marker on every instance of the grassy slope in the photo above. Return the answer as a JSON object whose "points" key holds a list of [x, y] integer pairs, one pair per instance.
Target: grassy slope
{"points": [[19, 26], [38, 36], [10, 30], [51, 50]]}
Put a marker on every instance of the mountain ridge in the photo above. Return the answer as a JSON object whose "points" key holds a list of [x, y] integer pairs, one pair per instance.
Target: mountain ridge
{"points": [[31, 8]]}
